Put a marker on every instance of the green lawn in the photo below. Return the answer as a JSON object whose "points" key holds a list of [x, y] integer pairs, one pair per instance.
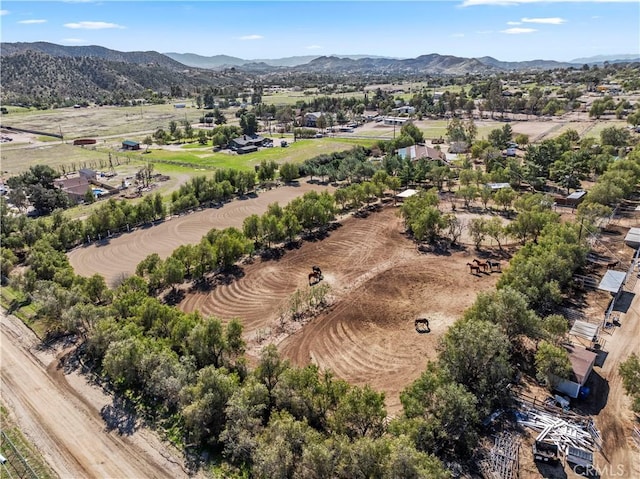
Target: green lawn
{"points": [[296, 152], [292, 97]]}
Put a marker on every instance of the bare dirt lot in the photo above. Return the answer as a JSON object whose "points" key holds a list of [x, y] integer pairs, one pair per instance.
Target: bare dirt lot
{"points": [[61, 415], [119, 256], [380, 284]]}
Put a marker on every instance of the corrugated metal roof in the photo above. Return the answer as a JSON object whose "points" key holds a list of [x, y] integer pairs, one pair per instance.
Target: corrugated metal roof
{"points": [[406, 193], [612, 281], [585, 330], [576, 195], [633, 236]]}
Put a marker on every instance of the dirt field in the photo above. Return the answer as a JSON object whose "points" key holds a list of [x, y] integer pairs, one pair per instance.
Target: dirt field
{"points": [[120, 255], [61, 415], [380, 284]]}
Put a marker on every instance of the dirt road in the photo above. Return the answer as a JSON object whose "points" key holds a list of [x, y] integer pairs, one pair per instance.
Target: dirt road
{"points": [[60, 414]]}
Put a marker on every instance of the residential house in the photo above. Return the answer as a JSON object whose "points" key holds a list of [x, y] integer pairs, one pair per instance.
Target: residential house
{"points": [[76, 187], [248, 144], [416, 152], [405, 109], [311, 119]]}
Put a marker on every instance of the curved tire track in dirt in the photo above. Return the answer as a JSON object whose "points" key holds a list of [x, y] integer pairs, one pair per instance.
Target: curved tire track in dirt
{"points": [[119, 256], [380, 286]]}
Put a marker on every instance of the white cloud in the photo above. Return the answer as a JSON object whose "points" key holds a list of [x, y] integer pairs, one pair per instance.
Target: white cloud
{"points": [[473, 3], [517, 31], [92, 25], [4, 12], [73, 40], [514, 23], [251, 37], [314, 47], [457, 35], [32, 22], [484, 32], [547, 21]]}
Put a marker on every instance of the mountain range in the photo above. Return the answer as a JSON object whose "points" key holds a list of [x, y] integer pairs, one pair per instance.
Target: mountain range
{"points": [[225, 61], [53, 72]]}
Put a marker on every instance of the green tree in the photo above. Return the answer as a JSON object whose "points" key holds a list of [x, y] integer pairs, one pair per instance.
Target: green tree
{"points": [[249, 124], [411, 130], [476, 355], [245, 412], [360, 413], [205, 405], [629, 370], [289, 172], [96, 288], [508, 309], [552, 364], [614, 136], [441, 416]]}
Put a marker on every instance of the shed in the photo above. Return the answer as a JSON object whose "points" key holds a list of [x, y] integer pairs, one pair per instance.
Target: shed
{"points": [[582, 362], [498, 186], [612, 281], [633, 238], [576, 196], [585, 330], [406, 194], [130, 145]]}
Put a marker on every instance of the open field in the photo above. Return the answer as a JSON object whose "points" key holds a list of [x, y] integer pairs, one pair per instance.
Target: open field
{"points": [[100, 121], [291, 97], [380, 284], [26, 151], [120, 255]]}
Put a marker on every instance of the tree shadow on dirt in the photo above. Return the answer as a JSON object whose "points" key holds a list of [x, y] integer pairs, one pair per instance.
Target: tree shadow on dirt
{"points": [[174, 297], [222, 278], [272, 254], [438, 247], [119, 416]]}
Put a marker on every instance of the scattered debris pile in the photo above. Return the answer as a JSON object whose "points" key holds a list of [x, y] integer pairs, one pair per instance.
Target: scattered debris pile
{"points": [[576, 437], [503, 460]]}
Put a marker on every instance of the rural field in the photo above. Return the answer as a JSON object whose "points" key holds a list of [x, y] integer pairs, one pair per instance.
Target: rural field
{"points": [[380, 285], [118, 256]]}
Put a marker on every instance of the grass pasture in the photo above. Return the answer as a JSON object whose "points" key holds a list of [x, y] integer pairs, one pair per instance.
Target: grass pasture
{"points": [[101, 121]]}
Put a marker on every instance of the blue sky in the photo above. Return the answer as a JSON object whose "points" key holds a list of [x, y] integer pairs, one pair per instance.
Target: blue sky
{"points": [[505, 29]]}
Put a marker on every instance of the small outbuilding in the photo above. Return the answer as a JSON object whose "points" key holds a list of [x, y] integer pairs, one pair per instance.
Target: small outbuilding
{"points": [[633, 238], [130, 145], [582, 362], [408, 193]]}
